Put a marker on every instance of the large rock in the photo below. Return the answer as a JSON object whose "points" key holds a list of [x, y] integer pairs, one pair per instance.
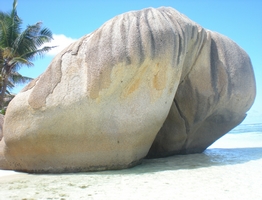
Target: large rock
{"points": [[102, 101], [210, 100]]}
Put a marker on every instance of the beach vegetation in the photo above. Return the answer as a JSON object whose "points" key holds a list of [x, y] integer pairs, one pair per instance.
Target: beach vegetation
{"points": [[18, 48]]}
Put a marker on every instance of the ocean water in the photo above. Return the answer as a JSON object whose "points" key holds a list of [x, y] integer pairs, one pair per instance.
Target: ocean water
{"points": [[244, 135], [247, 128], [231, 168]]}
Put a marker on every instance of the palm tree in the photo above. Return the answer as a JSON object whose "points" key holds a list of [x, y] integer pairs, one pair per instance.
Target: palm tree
{"points": [[14, 79], [18, 48]]}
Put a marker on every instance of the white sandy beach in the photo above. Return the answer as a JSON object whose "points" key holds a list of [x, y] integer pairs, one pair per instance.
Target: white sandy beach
{"points": [[230, 169]]}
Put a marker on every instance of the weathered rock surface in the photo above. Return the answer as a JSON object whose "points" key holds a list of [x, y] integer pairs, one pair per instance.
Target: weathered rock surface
{"points": [[102, 101], [210, 100]]}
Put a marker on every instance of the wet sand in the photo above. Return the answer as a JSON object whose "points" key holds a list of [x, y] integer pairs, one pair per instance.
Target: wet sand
{"points": [[218, 173]]}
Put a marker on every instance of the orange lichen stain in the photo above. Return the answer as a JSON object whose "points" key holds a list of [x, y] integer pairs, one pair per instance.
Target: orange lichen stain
{"points": [[160, 78], [116, 83], [133, 87], [138, 79], [159, 81], [98, 80]]}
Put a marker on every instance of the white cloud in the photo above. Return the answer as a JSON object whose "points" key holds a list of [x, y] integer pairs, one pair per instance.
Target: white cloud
{"points": [[60, 41]]}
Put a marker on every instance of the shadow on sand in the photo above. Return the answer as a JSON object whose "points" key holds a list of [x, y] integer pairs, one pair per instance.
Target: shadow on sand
{"points": [[211, 157]]}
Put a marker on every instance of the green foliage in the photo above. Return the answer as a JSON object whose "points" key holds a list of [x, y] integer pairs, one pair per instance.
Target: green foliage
{"points": [[18, 48]]}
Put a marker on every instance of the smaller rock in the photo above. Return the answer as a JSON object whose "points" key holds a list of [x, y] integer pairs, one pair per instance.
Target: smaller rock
{"points": [[1, 126]]}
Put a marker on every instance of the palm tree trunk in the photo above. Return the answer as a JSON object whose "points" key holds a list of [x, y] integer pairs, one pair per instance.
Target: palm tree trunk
{"points": [[2, 94]]}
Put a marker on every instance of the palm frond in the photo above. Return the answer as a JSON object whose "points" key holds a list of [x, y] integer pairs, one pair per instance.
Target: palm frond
{"points": [[16, 78], [44, 36], [10, 27], [19, 61], [39, 52], [4, 29], [14, 4], [31, 39], [19, 48]]}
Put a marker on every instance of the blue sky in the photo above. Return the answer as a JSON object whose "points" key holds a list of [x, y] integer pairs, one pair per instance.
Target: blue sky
{"points": [[240, 20]]}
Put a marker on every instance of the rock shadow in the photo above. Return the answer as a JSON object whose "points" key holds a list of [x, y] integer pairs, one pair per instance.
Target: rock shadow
{"points": [[209, 158]]}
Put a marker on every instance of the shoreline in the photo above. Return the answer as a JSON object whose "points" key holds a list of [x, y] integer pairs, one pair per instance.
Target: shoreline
{"points": [[229, 141], [229, 169], [215, 174]]}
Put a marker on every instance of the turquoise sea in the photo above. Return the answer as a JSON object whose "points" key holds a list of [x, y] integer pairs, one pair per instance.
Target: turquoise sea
{"points": [[247, 128]]}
